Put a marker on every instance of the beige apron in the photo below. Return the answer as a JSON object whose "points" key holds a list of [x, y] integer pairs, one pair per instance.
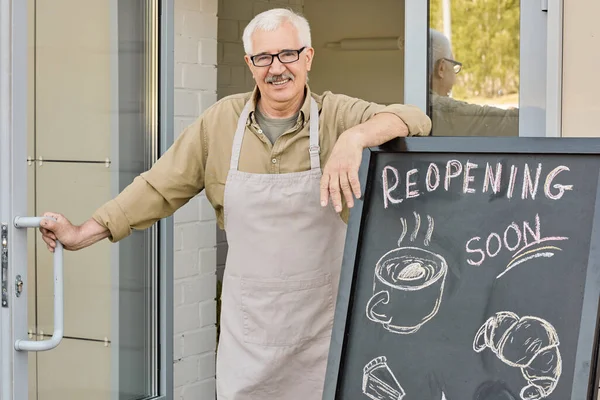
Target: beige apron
{"points": [[280, 282]]}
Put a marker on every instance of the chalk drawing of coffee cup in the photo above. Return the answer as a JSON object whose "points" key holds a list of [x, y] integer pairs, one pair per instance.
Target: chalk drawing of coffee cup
{"points": [[407, 289]]}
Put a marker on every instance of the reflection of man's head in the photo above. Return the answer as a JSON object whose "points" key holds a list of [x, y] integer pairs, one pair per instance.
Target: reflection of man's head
{"points": [[443, 67]]}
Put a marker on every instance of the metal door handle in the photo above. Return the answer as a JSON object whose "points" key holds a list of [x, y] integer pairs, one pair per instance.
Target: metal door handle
{"points": [[31, 345]]}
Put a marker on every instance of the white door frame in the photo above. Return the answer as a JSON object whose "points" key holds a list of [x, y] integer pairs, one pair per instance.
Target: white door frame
{"points": [[541, 58], [416, 45], [13, 195], [554, 66]]}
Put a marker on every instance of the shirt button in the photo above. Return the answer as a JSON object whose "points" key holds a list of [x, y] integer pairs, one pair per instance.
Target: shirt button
{"points": [[274, 161], [260, 130]]}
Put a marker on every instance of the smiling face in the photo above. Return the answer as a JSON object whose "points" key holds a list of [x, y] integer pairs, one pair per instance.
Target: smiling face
{"points": [[280, 82]]}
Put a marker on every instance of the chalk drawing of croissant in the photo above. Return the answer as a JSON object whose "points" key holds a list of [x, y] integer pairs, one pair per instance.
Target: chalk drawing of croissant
{"points": [[529, 343]]}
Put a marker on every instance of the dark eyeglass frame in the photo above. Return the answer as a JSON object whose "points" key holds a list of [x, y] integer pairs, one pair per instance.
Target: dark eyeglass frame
{"points": [[456, 65], [277, 55]]}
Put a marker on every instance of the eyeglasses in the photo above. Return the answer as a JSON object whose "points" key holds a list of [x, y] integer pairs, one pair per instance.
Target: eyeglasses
{"points": [[285, 57], [457, 66]]}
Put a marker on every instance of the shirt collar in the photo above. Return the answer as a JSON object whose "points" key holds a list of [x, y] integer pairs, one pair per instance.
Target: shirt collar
{"points": [[302, 115]]}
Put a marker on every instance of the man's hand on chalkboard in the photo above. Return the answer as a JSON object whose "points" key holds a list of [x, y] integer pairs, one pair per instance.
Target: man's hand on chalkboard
{"points": [[340, 174]]}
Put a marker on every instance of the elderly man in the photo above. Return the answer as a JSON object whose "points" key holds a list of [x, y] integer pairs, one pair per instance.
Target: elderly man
{"points": [[452, 117], [258, 155]]}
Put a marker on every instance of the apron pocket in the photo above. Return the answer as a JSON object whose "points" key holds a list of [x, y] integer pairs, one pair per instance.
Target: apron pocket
{"points": [[287, 312]]}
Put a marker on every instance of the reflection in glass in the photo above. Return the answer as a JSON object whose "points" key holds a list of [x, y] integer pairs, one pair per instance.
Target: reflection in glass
{"points": [[474, 68]]}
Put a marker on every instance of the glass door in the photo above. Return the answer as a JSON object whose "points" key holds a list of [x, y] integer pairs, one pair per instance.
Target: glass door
{"points": [[80, 120]]}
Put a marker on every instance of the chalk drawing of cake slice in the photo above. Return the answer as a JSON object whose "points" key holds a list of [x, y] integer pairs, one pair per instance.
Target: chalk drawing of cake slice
{"points": [[379, 383]]}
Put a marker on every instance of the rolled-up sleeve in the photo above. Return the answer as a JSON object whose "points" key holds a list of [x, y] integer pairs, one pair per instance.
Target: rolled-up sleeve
{"points": [[173, 180], [353, 111], [418, 123]]}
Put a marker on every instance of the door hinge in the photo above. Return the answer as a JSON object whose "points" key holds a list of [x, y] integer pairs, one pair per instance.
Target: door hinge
{"points": [[544, 5], [4, 264]]}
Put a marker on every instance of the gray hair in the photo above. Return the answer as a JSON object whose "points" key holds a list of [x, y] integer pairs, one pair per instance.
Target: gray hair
{"points": [[439, 47], [272, 19]]}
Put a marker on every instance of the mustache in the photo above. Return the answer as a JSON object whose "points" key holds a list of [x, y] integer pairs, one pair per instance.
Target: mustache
{"points": [[278, 78]]}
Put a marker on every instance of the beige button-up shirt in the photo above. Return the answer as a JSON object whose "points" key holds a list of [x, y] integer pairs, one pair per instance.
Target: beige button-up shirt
{"points": [[199, 159]]}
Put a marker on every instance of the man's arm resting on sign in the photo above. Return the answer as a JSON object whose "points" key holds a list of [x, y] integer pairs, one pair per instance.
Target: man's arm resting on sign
{"points": [[341, 172]]}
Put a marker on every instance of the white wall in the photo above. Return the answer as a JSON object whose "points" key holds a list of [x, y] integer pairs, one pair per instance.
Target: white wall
{"points": [[195, 237], [371, 75], [581, 63]]}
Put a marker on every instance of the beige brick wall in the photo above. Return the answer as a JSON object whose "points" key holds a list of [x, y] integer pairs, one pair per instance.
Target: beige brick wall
{"points": [[195, 236]]}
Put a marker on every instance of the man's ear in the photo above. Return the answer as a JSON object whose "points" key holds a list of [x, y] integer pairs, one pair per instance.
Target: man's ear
{"points": [[249, 64], [310, 52], [440, 68], [248, 61]]}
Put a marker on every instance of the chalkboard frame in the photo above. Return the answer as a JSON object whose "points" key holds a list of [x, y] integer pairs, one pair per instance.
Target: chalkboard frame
{"points": [[588, 344]]}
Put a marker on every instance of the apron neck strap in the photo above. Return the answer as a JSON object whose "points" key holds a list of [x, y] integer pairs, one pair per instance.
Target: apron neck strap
{"points": [[313, 149], [239, 136]]}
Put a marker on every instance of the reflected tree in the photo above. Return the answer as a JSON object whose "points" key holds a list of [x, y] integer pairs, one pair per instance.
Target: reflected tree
{"points": [[485, 38]]}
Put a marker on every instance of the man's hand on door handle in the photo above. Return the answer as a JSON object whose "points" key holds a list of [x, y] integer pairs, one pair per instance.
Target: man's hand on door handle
{"points": [[71, 236]]}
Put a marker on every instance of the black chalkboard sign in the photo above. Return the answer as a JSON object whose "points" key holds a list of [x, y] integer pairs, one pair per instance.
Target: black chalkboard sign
{"points": [[471, 272]]}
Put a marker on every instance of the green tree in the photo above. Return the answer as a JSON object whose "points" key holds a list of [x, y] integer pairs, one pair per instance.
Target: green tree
{"points": [[485, 38]]}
